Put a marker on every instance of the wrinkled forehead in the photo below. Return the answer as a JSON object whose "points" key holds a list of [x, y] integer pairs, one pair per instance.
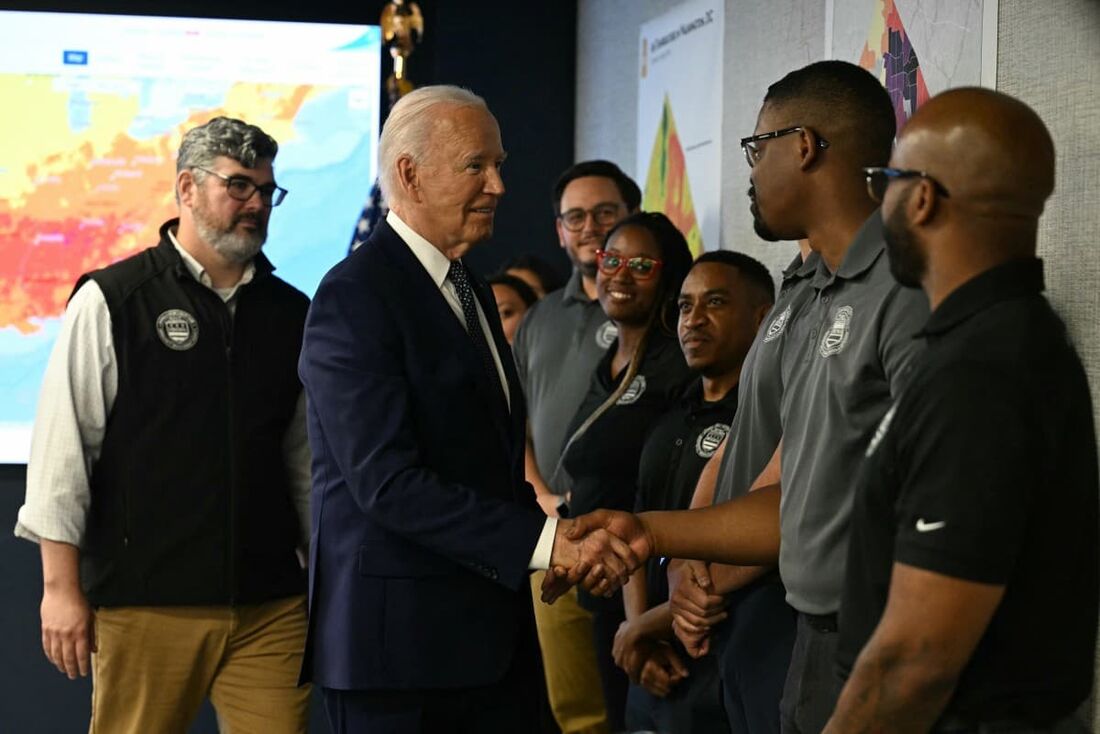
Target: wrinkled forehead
{"points": [[463, 129]]}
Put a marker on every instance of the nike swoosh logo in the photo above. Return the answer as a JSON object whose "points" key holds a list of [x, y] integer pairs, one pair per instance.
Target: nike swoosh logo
{"points": [[927, 527]]}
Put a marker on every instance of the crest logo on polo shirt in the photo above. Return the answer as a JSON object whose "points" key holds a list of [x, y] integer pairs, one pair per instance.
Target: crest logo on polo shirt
{"points": [[635, 391], [710, 439], [880, 432], [606, 334], [778, 325], [835, 338], [177, 329]]}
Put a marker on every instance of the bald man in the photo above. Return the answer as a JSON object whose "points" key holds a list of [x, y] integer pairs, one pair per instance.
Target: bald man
{"points": [[970, 601]]}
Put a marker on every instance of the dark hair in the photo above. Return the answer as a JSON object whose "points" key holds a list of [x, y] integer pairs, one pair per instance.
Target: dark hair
{"points": [[524, 291], [632, 195], [752, 270], [845, 103], [675, 256], [547, 274]]}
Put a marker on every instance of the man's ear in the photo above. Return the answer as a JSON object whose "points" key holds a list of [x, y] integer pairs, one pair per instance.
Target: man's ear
{"points": [[808, 148], [186, 187], [760, 314], [922, 203], [560, 230], [408, 178]]}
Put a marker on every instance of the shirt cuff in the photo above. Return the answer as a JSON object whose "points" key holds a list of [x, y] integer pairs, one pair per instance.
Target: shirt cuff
{"points": [[540, 559]]}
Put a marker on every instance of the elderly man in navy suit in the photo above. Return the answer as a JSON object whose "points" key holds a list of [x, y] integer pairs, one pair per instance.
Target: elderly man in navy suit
{"points": [[424, 530]]}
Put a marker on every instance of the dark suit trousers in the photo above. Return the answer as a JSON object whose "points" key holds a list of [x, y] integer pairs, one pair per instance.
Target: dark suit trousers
{"points": [[509, 706]]}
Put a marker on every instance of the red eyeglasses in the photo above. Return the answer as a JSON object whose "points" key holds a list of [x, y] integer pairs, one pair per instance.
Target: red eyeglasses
{"points": [[642, 268]]}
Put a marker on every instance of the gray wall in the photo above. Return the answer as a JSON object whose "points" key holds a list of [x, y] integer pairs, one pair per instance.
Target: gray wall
{"points": [[1048, 55]]}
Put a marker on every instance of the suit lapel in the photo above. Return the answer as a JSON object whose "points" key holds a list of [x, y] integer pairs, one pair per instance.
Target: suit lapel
{"points": [[428, 301]]}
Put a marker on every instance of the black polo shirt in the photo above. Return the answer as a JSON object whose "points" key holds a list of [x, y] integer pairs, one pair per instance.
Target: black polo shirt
{"points": [[985, 469], [602, 464], [674, 455]]}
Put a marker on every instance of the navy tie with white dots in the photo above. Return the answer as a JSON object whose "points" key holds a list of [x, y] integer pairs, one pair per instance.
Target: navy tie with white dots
{"points": [[461, 280]]}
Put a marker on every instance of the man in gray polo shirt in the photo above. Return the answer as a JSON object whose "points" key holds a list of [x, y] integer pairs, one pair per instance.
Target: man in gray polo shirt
{"points": [[845, 360], [557, 346], [754, 641]]}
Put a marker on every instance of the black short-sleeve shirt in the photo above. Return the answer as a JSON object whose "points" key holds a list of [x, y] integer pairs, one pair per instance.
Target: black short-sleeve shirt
{"points": [[602, 464], [678, 447], [985, 469]]}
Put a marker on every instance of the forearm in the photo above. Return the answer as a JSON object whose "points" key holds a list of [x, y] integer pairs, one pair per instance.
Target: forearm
{"points": [[531, 470], [727, 579], [655, 623], [60, 566], [744, 531], [634, 595], [891, 690]]}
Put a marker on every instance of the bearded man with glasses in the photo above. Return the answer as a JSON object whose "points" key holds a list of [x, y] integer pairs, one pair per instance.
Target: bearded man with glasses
{"points": [[168, 484]]}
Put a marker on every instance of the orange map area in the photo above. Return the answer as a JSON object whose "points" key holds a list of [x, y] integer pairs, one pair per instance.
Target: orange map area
{"points": [[98, 196], [667, 188]]}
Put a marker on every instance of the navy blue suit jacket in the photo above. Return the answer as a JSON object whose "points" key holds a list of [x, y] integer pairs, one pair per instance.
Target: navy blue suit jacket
{"points": [[423, 525]]}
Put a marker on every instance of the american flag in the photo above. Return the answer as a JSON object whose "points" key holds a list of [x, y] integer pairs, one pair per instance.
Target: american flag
{"points": [[373, 212]]}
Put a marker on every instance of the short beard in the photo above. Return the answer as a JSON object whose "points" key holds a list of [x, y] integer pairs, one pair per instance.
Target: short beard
{"points": [[588, 270], [907, 263], [762, 230], [234, 247]]}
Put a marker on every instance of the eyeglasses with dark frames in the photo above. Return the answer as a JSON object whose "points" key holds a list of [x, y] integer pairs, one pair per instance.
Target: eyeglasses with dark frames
{"points": [[242, 188], [604, 215], [879, 178], [752, 150], [642, 268]]}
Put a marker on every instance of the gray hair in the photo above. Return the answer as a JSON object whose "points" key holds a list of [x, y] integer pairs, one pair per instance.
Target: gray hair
{"points": [[224, 136], [408, 129]]}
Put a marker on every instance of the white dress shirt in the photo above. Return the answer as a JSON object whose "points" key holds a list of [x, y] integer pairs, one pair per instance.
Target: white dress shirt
{"points": [[438, 265], [78, 391]]}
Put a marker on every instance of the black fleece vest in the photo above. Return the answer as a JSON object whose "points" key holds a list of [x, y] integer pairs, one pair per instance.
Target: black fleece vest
{"points": [[191, 503]]}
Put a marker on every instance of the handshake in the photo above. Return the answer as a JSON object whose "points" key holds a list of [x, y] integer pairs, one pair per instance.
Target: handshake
{"points": [[599, 551]]}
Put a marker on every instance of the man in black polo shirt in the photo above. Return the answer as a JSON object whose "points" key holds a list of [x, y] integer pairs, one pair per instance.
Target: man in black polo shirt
{"points": [[970, 603], [722, 303]]}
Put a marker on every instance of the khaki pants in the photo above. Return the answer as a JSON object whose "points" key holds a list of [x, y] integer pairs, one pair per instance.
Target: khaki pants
{"points": [[569, 657], [155, 665]]}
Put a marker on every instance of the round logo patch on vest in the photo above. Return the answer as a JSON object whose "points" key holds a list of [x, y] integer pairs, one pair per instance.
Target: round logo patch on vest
{"points": [[606, 334], [778, 324], [710, 439], [177, 329], [835, 339], [635, 391]]}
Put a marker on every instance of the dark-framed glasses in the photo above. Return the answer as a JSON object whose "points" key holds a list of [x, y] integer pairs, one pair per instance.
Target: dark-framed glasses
{"points": [[752, 150], [242, 188], [879, 178], [642, 268], [604, 215]]}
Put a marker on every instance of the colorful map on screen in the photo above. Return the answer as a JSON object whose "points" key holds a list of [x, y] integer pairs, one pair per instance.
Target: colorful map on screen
{"points": [[93, 119]]}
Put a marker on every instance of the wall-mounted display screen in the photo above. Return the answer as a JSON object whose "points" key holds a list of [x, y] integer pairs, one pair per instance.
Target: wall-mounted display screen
{"points": [[93, 109]]}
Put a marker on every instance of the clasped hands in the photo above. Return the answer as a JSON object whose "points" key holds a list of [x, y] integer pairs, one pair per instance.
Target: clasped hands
{"points": [[599, 551]]}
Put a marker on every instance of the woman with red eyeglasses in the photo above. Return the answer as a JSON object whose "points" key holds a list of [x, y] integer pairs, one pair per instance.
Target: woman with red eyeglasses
{"points": [[639, 272]]}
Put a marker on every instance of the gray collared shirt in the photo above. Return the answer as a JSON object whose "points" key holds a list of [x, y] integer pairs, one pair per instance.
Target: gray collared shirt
{"points": [[557, 347], [844, 363], [756, 426]]}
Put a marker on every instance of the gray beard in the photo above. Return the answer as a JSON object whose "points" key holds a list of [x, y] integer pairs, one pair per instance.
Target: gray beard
{"points": [[236, 248]]}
